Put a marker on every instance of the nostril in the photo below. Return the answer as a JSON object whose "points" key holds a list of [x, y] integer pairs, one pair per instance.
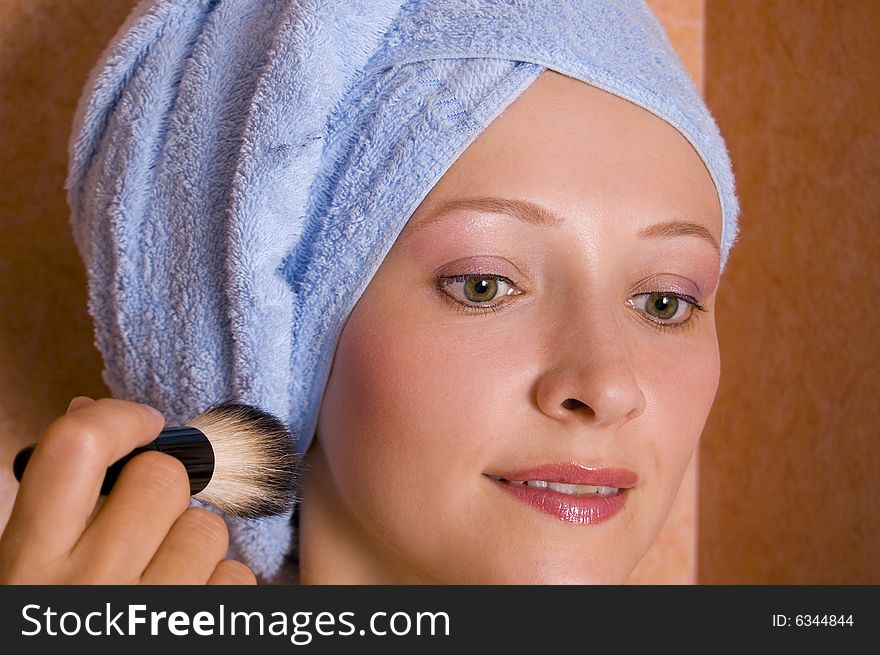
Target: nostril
{"points": [[576, 405]]}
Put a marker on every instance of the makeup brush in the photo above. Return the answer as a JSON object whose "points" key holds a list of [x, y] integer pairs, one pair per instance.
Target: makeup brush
{"points": [[239, 459]]}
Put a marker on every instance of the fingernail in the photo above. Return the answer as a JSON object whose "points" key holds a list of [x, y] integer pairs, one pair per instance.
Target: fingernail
{"points": [[76, 402]]}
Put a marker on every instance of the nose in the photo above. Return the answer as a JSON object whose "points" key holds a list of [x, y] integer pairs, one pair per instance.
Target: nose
{"points": [[591, 378]]}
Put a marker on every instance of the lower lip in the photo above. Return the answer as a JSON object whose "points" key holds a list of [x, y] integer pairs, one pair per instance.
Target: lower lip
{"points": [[579, 510]]}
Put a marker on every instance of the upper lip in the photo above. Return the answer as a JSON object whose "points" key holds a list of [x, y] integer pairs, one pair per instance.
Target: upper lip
{"points": [[572, 473]]}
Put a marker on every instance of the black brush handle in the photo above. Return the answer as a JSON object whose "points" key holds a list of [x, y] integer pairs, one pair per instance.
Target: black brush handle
{"points": [[185, 443]]}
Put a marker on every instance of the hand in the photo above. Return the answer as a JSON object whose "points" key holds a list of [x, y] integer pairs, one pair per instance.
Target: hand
{"points": [[145, 532]]}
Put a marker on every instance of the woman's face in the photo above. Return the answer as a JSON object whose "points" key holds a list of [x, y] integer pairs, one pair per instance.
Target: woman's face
{"points": [[499, 344]]}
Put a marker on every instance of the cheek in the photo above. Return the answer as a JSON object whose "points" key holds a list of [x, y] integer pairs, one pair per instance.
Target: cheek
{"points": [[369, 405], [404, 416], [680, 382]]}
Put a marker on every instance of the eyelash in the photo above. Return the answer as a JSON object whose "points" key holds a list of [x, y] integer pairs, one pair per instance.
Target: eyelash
{"points": [[464, 308]]}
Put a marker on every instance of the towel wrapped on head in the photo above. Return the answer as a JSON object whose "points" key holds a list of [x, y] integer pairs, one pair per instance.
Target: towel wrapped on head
{"points": [[239, 170]]}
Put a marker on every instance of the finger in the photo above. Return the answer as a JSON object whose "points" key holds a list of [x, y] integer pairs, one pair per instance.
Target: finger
{"points": [[195, 544], [152, 491], [63, 477], [229, 571]]}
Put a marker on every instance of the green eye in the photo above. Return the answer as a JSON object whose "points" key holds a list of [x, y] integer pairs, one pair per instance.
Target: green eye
{"points": [[661, 305], [476, 291], [480, 289], [665, 308]]}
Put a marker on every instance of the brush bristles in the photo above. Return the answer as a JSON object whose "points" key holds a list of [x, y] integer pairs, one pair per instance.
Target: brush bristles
{"points": [[256, 470]]}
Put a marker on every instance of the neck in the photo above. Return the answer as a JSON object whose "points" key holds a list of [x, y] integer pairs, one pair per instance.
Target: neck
{"points": [[335, 545]]}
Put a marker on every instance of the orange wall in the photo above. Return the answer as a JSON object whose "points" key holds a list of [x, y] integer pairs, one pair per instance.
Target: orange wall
{"points": [[790, 460], [46, 352]]}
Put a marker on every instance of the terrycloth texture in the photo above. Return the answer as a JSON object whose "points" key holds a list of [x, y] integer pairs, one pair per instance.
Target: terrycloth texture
{"points": [[239, 170]]}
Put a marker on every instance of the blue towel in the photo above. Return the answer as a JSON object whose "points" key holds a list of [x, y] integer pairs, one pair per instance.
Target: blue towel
{"points": [[239, 170]]}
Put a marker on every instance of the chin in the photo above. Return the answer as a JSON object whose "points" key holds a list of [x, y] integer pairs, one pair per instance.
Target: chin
{"points": [[579, 576], [545, 569], [565, 577]]}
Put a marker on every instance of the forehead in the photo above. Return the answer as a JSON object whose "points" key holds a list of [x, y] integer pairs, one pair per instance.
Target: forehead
{"points": [[574, 148]]}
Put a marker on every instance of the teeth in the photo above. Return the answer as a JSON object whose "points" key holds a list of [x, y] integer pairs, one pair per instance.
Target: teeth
{"points": [[571, 489]]}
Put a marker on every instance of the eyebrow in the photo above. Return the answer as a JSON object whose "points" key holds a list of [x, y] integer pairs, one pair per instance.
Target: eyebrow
{"points": [[534, 214], [679, 229], [523, 210]]}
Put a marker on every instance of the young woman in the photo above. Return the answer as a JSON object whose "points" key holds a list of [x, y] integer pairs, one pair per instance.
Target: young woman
{"points": [[514, 392]]}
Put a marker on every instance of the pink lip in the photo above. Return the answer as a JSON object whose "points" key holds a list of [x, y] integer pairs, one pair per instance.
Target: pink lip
{"points": [[579, 510], [573, 474]]}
